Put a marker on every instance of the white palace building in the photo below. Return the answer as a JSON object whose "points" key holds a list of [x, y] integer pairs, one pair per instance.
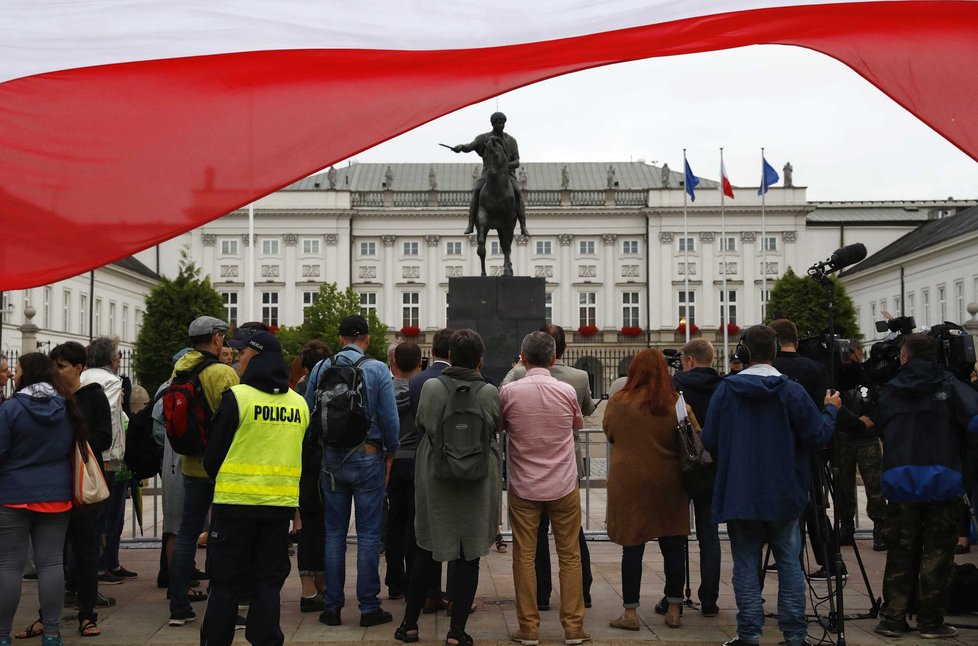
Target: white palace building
{"points": [[613, 256], [608, 237]]}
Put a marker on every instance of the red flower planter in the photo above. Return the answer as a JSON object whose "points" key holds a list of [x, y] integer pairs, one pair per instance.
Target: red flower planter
{"points": [[410, 330], [631, 330], [587, 330]]}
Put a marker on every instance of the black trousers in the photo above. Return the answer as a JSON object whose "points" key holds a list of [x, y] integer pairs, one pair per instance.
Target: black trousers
{"points": [[245, 555], [81, 562], [544, 579], [463, 580], [400, 542]]}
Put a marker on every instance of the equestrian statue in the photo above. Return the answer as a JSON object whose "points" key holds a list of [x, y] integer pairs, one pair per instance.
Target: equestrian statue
{"points": [[497, 201]]}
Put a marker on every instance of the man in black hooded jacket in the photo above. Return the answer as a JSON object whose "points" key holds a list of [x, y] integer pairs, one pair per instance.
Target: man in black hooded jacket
{"points": [[697, 381], [254, 452]]}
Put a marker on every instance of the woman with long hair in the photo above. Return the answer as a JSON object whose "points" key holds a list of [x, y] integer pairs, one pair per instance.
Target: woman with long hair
{"points": [[646, 500], [36, 437]]}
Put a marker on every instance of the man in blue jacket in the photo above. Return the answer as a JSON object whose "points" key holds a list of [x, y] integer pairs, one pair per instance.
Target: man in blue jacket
{"points": [[760, 427], [923, 414]]}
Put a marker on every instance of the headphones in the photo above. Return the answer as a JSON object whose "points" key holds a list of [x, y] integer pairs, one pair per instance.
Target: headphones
{"points": [[743, 352]]}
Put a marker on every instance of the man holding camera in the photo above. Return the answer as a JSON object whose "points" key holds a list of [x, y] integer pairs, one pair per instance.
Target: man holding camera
{"points": [[923, 414]]}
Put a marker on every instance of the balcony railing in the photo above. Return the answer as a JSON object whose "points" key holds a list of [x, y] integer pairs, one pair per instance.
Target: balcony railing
{"points": [[460, 199]]}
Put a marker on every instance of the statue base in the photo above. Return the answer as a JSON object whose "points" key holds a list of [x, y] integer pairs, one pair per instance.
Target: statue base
{"points": [[502, 309]]}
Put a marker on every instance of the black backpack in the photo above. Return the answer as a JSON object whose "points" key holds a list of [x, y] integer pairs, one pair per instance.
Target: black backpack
{"points": [[144, 456], [461, 447], [185, 410], [339, 410]]}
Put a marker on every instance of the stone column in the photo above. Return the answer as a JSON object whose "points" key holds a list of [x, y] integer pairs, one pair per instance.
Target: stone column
{"points": [[28, 331], [611, 305]]}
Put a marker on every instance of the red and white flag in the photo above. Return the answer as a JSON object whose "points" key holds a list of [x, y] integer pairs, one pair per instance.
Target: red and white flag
{"points": [[126, 122], [725, 185]]}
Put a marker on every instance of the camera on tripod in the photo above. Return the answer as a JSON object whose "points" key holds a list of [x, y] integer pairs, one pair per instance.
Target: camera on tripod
{"points": [[674, 358], [957, 348]]}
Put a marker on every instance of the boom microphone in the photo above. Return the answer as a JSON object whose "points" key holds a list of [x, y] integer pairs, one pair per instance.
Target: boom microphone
{"points": [[840, 259]]}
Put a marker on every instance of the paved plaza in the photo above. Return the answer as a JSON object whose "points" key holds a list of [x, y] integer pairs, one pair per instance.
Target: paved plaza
{"points": [[140, 617]]}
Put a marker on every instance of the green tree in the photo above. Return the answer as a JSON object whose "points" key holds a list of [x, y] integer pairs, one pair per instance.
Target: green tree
{"points": [[323, 322], [805, 302], [170, 307]]}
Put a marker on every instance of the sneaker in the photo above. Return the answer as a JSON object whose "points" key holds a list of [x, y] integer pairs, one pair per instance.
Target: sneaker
{"points": [[737, 641], [181, 617], [311, 604], [240, 622], [107, 578], [104, 601], [822, 573], [577, 637], [892, 630], [525, 638], [375, 618], [330, 617], [51, 640], [938, 632], [123, 573], [708, 610]]}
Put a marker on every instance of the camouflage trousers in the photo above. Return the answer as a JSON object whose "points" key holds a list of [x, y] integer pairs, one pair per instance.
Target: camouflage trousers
{"points": [[869, 459], [926, 532]]}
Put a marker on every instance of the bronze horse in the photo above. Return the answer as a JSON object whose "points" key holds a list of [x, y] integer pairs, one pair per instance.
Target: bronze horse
{"points": [[497, 204]]}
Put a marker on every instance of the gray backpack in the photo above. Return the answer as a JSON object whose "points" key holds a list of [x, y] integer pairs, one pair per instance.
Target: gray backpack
{"points": [[461, 447]]}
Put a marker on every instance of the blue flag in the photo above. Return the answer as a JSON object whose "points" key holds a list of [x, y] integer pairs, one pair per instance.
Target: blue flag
{"points": [[692, 181], [769, 176]]}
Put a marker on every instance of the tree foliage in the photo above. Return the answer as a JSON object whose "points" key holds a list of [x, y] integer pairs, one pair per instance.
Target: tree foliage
{"points": [[805, 302], [170, 308], [323, 323]]}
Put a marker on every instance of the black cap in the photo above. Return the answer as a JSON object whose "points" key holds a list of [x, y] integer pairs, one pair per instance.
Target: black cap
{"points": [[260, 341], [354, 325]]}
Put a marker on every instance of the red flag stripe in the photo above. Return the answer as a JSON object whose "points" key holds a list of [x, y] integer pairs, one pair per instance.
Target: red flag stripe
{"points": [[109, 160]]}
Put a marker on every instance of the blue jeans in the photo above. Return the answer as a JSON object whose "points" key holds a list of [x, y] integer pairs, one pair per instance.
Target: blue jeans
{"points": [[198, 495], [357, 479], [747, 538]]}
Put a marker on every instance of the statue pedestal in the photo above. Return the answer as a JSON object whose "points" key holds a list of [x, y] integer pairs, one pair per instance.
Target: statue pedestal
{"points": [[502, 309]]}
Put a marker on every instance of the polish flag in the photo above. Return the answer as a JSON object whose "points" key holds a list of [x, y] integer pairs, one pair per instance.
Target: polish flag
{"points": [[725, 185], [126, 122]]}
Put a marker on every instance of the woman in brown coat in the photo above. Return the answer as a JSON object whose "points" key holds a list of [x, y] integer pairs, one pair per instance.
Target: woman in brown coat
{"points": [[646, 500]]}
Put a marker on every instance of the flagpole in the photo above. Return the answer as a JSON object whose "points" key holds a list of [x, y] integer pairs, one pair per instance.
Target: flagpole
{"points": [[689, 323], [763, 242], [250, 274], [723, 263]]}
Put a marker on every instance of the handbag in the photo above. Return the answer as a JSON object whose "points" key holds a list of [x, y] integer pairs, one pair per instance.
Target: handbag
{"points": [[88, 482], [696, 468]]}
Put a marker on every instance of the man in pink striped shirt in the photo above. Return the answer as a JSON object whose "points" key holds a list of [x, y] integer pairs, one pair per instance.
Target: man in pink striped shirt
{"points": [[540, 415]]}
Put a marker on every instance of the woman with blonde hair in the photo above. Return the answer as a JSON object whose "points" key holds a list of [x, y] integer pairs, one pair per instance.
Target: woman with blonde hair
{"points": [[646, 500]]}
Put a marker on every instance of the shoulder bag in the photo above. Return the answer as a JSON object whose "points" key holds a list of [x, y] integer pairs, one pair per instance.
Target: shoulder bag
{"points": [[696, 469], [88, 484]]}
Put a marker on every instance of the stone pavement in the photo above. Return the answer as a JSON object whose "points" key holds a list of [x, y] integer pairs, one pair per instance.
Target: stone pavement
{"points": [[142, 612]]}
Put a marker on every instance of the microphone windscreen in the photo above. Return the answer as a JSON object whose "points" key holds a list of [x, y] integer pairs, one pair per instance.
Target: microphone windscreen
{"points": [[848, 255]]}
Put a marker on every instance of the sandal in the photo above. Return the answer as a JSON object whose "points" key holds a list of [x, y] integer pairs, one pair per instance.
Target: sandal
{"points": [[458, 638], [88, 628], [36, 629], [406, 633], [500, 543]]}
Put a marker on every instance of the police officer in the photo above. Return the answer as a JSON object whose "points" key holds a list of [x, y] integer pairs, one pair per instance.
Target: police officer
{"points": [[254, 451]]}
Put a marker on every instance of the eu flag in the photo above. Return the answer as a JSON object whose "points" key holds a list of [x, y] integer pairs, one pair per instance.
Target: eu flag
{"points": [[769, 176], [692, 181]]}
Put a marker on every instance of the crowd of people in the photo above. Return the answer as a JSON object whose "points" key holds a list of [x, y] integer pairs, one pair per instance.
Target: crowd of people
{"points": [[258, 455]]}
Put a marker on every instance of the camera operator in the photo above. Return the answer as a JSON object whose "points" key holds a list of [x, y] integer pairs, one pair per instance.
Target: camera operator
{"points": [[859, 446], [814, 379], [923, 414]]}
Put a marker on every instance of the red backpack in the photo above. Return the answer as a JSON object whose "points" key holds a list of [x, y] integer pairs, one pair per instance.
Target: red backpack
{"points": [[185, 410]]}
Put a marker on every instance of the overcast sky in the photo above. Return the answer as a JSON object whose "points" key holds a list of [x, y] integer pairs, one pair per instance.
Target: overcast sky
{"points": [[845, 139]]}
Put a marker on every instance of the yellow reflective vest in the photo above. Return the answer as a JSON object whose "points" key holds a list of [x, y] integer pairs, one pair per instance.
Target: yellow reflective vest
{"points": [[264, 462]]}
